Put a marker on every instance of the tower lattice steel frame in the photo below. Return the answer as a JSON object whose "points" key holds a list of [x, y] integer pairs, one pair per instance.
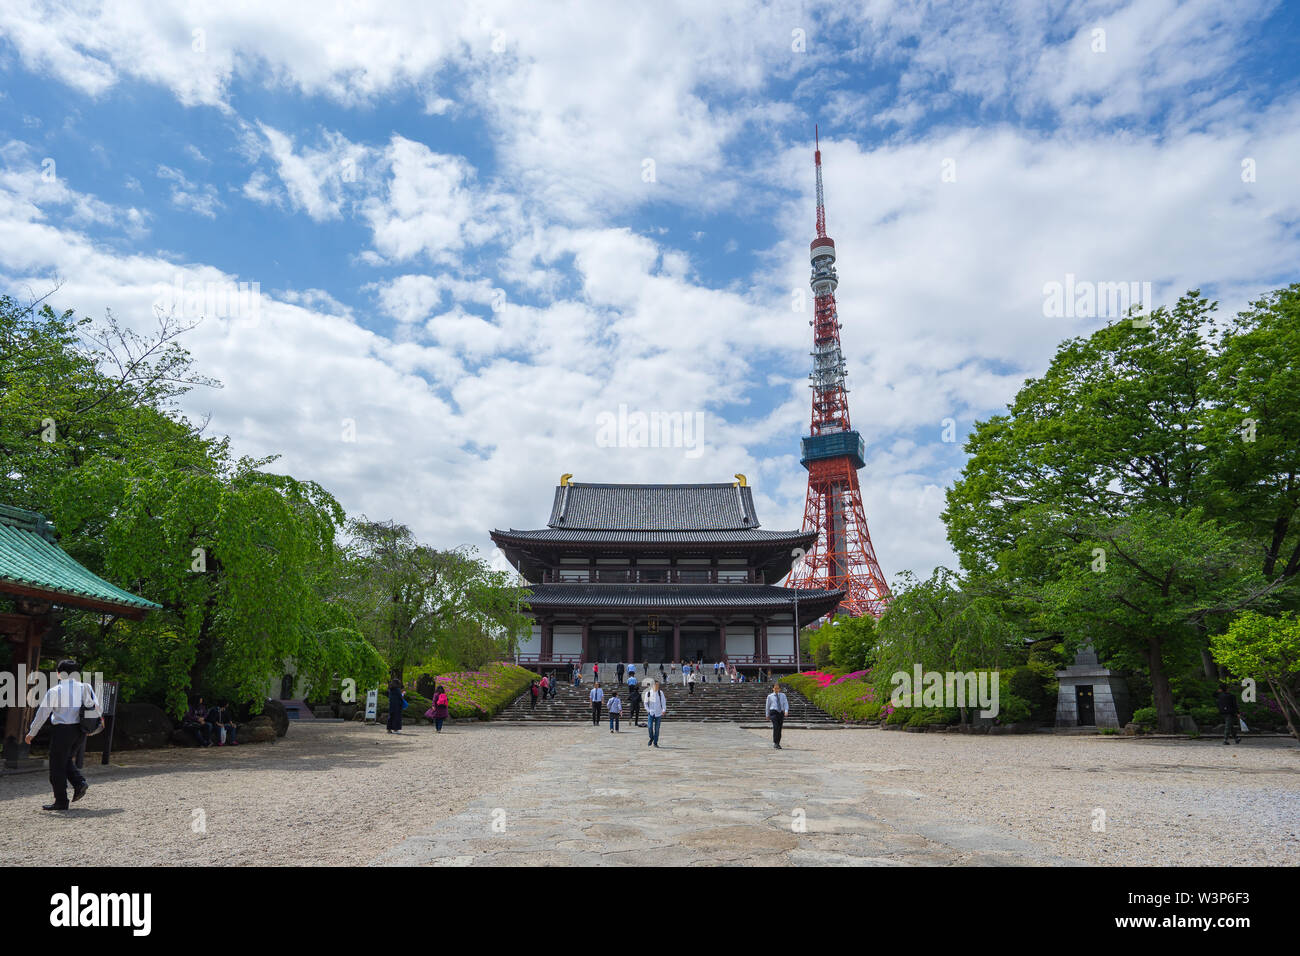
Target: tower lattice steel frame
{"points": [[843, 556]]}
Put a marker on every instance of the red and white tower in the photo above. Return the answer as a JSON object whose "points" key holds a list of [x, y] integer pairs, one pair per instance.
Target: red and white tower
{"points": [[843, 556]]}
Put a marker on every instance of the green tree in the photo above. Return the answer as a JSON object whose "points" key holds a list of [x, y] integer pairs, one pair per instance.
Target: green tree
{"points": [[853, 641], [413, 600], [239, 558], [1255, 428], [944, 624], [1268, 649], [1143, 589]]}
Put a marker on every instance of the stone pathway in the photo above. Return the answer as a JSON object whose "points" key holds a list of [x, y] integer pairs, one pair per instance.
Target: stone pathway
{"points": [[711, 794]]}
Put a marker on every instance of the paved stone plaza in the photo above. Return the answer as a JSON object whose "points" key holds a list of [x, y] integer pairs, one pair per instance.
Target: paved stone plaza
{"points": [[713, 794]]}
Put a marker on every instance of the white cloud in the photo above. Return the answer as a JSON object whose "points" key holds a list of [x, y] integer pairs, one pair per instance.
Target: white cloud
{"points": [[199, 198]]}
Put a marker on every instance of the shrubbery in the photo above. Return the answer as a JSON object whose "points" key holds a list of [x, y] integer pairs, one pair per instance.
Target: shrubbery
{"points": [[477, 694]]}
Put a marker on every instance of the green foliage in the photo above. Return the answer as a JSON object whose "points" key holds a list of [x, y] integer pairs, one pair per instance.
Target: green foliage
{"points": [[413, 600], [1145, 717], [1266, 649], [943, 624], [239, 558], [1135, 442], [477, 694], [850, 701], [852, 642]]}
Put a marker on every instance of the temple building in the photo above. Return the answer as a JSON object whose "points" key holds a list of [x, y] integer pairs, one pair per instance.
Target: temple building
{"points": [[650, 573]]}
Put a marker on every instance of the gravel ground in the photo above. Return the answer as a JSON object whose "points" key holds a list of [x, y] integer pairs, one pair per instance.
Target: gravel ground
{"points": [[347, 793], [323, 794], [1166, 802]]}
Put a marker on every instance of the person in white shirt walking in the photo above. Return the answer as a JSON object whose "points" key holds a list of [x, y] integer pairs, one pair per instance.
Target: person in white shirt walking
{"points": [[656, 705], [597, 696], [62, 705], [778, 708]]}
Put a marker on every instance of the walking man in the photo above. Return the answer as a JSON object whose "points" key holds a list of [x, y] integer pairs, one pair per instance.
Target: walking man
{"points": [[1227, 702], [615, 708], [618, 672], [597, 697], [778, 707], [62, 705], [656, 705]]}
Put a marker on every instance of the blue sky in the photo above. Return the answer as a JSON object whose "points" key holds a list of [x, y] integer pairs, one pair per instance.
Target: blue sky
{"points": [[459, 251]]}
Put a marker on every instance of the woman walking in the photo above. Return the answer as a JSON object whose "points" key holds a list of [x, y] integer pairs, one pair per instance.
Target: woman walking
{"points": [[440, 707], [396, 700], [533, 692]]}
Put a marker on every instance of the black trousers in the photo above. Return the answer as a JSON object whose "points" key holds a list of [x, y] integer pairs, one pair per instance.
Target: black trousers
{"points": [[1231, 726], [636, 709], [778, 719], [65, 740], [595, 712]]}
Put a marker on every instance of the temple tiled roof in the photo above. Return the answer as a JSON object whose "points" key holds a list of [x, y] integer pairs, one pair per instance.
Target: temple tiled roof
{"points": [[707, 507], [605, 536], [678, 596], [31, 561]]}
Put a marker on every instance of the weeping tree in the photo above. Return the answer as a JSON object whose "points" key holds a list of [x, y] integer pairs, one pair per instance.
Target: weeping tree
{"points": [[239, 558], [413, 601]]}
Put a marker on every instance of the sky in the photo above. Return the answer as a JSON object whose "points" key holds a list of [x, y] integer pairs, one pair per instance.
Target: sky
{"points": [[440, 254]]}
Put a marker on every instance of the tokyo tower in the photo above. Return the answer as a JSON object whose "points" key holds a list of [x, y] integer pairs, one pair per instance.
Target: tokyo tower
{"points": [[842, 557]]}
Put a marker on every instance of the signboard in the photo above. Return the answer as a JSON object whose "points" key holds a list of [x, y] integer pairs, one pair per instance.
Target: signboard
{"points": [[372, 704], [108, 702]]}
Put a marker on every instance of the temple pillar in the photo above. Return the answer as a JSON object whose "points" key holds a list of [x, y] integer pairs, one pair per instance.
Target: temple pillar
{"points": [[762, 641], [722, 640], [677, 639], [631, 642], [548, 640], [586, 640]]}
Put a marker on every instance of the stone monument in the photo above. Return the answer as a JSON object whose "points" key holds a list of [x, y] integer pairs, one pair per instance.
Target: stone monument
{"points": [[1091, 695]]}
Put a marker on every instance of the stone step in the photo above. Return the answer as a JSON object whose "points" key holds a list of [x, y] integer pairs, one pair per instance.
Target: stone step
{"points": [[730, 703]]}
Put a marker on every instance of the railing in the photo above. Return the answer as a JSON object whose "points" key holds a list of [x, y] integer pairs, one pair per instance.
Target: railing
{"points": [[548, 658], [760, 659], [651, 576]]}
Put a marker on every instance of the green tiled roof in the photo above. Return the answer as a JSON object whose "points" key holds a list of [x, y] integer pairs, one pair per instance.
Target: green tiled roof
{"points": [[30, 558]]}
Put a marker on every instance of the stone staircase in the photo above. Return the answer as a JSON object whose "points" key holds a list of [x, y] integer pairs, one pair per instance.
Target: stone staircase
{"points": [[734, 703]]}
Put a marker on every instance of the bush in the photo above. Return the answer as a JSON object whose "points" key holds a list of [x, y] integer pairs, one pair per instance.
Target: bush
{"points": [[479, 694], [1145, 717], [1013, 709], [848, 697], [853, 642]]}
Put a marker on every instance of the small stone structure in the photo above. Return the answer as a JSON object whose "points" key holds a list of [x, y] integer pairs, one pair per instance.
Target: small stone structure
{"points": [[1086, 685]]}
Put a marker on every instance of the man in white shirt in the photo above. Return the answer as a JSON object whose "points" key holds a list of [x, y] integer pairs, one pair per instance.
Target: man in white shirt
{"points": [[778, 708], [656, 705], [62, 705], [597, 696]]}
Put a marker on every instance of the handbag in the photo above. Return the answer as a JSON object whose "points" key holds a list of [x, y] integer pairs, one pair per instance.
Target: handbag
{"points": [[89, 725]]}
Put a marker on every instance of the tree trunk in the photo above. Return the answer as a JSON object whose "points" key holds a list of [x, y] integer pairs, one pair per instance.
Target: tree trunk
{"points": [[1207, 660], [1161, 692]]}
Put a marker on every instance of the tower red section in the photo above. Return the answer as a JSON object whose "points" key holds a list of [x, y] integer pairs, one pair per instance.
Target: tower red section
{"points": [[843, 556]]}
